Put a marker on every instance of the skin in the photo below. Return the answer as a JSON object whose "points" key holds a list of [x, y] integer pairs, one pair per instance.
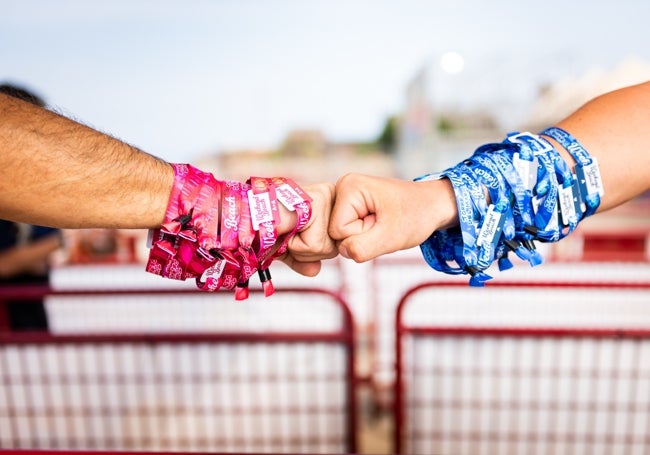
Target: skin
{"points": [[30, 258], [57, 172], [374, 216]]}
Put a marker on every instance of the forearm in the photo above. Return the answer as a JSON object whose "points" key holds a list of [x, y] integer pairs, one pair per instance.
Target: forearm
{"points": [[374, 216], [56, 172], [614, 129], [28, 258]]}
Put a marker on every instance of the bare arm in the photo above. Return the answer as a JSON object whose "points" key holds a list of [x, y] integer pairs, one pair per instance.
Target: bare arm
{"points": [[614, 128], [28, 258], [374, 216], [57, 172]]}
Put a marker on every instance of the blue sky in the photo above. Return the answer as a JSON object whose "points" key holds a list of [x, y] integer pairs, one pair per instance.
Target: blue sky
{"points": [[183, 79]]}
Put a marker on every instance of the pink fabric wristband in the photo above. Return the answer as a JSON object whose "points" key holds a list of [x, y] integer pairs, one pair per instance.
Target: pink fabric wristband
{"points": [[214, 234]]}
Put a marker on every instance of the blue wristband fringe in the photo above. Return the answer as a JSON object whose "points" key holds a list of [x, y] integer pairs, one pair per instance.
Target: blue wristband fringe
{"points": [[535, 197]]}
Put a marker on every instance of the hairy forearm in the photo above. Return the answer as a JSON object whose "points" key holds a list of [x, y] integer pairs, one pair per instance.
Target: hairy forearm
{"points": [[57, 172]]}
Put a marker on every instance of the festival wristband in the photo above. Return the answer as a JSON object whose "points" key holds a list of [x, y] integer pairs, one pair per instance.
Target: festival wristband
{"points": [[294, 199], [469, 197], [533, 196], [265, 214], [586, 168], [211, 230], [245, 253]]}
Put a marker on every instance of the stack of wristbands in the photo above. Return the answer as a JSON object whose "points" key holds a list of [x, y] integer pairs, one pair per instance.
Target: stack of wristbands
{"points": [[509, 195], [220, 233]]}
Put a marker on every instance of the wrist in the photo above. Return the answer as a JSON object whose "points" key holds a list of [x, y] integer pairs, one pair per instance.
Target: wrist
{"points": [[221, 232], [439, 205], [149, 199], [509, 195]]}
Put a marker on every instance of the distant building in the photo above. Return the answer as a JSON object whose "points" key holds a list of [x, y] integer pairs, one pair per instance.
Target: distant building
{"points": [[304, 143], [564, 96], [623, 233], [445, 119], [433, 137], [305, 155], [435, 134]]}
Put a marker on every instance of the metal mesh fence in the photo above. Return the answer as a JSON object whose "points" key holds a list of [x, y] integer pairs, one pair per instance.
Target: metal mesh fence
{"points": [[523, 368], [284, 386]]}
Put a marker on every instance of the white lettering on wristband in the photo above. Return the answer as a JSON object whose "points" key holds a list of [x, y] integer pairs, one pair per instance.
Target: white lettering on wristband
{"points": [[231, 221], [268, 236], [567, 205], [260, 206], [214, 271], [288, 196], [491, 227], [575, 149], [549, 203], [589, 178]]}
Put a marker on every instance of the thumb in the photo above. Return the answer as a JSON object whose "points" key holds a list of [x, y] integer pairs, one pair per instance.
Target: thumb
{"points": [[306, 268]]}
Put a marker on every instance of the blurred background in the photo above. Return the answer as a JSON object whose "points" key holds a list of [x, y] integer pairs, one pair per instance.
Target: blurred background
{"points": [[316, 89], [312, 90], [198, 80]]}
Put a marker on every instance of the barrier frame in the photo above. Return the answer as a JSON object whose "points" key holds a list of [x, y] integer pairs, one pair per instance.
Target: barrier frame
{"points": [[345, 336], [402, 330]]}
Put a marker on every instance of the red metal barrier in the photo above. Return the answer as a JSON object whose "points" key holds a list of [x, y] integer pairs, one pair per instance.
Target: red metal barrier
{"points": [[393, 275], [570, 373], [249, 389]]}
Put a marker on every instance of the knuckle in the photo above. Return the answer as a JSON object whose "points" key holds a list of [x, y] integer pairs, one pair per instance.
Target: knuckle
{"points": [[357, 253]]}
